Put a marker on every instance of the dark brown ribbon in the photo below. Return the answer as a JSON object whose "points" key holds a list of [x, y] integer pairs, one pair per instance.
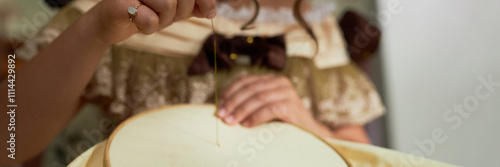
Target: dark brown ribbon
{"points": [[269, 52]]}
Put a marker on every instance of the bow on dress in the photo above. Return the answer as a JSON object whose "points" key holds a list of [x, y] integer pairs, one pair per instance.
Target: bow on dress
{"points": [[269, 52]]}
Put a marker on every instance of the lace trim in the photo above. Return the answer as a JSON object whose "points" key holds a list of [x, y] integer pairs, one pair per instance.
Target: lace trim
{"points": [[283, 15]]}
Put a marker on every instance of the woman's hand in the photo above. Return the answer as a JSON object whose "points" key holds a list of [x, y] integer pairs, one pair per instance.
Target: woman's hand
{"points": [[153, 15], [256, 99]]}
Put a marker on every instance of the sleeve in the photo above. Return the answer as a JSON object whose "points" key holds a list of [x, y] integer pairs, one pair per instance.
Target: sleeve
{"points": [[345, 96]]}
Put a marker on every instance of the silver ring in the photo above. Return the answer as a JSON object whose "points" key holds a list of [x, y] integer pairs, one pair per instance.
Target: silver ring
{"points": [[132, 11]]}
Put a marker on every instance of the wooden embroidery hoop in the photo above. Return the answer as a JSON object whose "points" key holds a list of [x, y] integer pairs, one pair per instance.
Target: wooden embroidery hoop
{"points": [[107, 160]]}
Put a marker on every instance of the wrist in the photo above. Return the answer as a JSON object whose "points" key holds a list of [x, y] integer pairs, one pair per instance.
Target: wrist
{"points": [[91, 30], [316, 127], [323, 130], [108, 25]]}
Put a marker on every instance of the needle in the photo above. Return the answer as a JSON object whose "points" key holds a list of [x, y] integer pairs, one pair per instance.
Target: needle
{"points": [[216, 87]]}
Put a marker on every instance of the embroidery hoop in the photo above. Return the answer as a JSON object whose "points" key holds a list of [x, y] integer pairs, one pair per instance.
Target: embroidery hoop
{"points": [[122, 128]]}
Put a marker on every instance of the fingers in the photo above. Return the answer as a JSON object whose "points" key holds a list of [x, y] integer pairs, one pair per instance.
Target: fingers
{"points": [[146, 20], [184, 9], [254, 103], [154, 15], [243, 89], [242, 82], [206, 8], [265, 114], [165, 9], [247, 95]]}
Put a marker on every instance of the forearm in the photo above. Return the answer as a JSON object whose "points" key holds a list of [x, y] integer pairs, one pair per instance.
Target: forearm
{"points": [[49, 86]]}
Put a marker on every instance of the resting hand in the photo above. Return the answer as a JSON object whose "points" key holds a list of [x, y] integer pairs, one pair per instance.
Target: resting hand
{"points": [[253, 100]]}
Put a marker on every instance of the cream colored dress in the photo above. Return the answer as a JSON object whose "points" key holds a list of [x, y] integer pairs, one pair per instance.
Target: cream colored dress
{"points": [[147, 72]]}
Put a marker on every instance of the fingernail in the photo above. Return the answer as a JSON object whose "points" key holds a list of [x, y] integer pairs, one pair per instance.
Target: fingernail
{"points": [[212, 14], [230, 119], [221, 113]]}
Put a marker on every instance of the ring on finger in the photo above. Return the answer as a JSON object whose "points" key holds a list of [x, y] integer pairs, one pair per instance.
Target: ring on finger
{"points": [[132, 11]]}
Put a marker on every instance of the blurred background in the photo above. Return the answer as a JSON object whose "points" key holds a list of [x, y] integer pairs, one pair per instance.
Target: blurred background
{"points": [[437, 69], [436, 57]]}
